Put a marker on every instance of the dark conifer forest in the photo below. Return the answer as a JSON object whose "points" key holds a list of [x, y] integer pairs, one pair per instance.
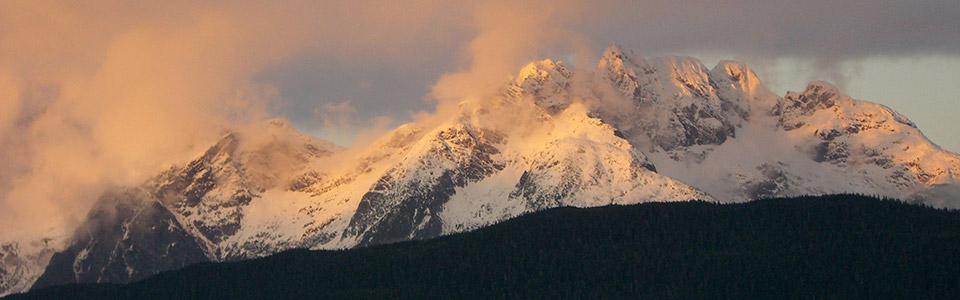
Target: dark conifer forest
{"points": [[827, 247]]}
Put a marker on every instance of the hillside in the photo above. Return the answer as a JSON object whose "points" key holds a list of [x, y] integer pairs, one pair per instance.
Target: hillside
{"points": [[842, 246]]}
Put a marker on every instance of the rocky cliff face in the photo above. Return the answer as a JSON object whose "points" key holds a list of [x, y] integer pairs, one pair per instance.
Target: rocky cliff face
{"points": [[22, 264], [128, 236], [633, 130]]}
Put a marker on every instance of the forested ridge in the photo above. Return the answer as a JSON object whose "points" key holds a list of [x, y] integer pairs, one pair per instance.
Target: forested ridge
{"points": [[825, 247]]}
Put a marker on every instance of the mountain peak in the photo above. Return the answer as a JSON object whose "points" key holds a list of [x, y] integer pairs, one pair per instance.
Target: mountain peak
{"points": [[821, 95], [735, 71], [540, 70], [227, 145], [614, 57], [823, 90], [547, 81], [613, 50], [817, 96]]}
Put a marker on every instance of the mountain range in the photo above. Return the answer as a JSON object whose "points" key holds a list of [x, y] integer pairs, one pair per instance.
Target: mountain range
{"points": [[632, 130]]}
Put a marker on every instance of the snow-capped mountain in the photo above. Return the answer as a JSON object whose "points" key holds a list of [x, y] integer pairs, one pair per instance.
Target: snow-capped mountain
{"points": [[21, 264], [127, 236], [633, 130], [723, 132], [182, 215]]}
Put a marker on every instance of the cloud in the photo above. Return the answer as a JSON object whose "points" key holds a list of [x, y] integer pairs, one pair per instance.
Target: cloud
{"points": [[9, 101], [337, 115], [508, 35], [98, 101], [338, 121]]}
